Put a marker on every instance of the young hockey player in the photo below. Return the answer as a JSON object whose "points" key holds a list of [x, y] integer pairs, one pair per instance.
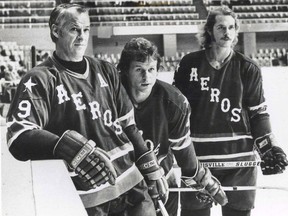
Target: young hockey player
{"points": [[73, 107], [162, 115], [229, 117]]}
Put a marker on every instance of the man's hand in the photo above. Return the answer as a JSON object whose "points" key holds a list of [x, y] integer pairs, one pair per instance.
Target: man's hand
{"points": [[91, 163], [274, 160], [154, 177], [209, 187]]}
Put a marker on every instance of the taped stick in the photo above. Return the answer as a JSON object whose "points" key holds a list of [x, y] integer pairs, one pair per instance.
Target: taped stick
{"points": [[162, 208], [232, 188], [231, 164]]}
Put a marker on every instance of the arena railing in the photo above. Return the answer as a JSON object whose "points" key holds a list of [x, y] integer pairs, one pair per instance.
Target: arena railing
{"points": [[142, 10], [107, 3]]}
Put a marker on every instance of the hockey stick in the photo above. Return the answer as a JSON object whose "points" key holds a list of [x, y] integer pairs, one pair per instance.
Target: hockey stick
{"points": [[162, 208], [230, 164], [232, 188]]}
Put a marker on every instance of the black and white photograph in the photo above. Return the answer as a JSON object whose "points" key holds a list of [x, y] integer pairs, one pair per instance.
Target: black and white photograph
{"points": [[144, 108]]}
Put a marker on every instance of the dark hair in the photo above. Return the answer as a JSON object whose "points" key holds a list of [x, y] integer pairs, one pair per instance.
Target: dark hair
{"points": [[138, 49], [204, 37], [60, 12]]}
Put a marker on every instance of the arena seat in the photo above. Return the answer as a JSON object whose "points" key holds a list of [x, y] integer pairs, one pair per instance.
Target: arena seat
{"points": [[38, 12]]}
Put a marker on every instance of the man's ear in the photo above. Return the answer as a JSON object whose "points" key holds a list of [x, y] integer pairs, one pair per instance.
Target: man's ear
{"points": [[54, 30]]}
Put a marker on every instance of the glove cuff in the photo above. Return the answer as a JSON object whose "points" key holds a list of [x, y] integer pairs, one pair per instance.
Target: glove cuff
{"points": [[147, 163], [187, 178], [157, 174], [214, 186], [193, 181], [264, 144], [73, 148]]}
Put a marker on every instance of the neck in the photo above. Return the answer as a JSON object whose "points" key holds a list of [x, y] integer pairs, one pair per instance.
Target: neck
{"points": [[65, 57], [218, 53], [78, 67], [139, 96]]}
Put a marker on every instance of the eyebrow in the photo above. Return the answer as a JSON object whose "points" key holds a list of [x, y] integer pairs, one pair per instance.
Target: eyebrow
{"points": [[225, 25], [75, 24]]}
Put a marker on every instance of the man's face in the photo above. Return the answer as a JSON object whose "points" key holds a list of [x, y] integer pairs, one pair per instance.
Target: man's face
{"points": [[142, 76], [73, 35], [224, 31]]}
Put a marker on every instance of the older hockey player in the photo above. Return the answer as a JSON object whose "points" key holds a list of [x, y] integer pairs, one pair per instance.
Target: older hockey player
{"points": [[162, 114], [73, 107], [229, 117]]}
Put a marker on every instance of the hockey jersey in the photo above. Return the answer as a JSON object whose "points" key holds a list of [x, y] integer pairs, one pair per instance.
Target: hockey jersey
{"points": [[163, 118], [95, 104], [228, 106]]}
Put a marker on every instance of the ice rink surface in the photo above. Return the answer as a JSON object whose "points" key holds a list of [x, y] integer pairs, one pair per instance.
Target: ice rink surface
{"points": [[268, 202]]}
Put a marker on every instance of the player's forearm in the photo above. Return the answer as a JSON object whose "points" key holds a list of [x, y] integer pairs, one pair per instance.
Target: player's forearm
{"points": [[137, 140], [260, 125], [187, 160], [34, 145]]}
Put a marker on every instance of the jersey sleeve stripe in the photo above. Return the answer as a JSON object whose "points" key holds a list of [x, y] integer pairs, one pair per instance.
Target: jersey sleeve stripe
{"points": [[120, 151], [106, 192], [183, 144], [127, 119], [219, 139], [16, 128], [228, 156], [260, 106], [180, 139]]}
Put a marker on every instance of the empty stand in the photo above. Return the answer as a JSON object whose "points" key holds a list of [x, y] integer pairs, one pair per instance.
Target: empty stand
{"points": [[35, 14], [264, 58], [16, 14]]}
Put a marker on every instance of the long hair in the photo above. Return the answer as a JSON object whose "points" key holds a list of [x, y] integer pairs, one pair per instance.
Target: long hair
{"points": [[60, 13], [204, 38], [137, 49]]}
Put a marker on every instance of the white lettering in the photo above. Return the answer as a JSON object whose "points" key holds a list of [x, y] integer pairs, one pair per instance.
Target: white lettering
{"points": [[214, 95], [108, 118], [118, 127], [236, 113], [102, 81], [94, 106], [95, 110], [204, 83], [62, 94], [77, 101], [24, 106], [193, 74], [225, 105]]}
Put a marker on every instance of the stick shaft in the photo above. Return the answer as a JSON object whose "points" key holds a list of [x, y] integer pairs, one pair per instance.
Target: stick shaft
{"points": [[162, 208], [230, 164], [232, 188]]}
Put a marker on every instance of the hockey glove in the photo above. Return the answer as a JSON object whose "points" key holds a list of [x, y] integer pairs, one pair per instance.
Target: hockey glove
{"points": [[91, 163], [154, 176], [273, 158], [209, 187]]}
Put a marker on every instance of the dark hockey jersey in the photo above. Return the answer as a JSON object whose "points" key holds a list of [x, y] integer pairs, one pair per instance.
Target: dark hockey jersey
{"points": [[228, 106], [95, 105], [164, 120]]}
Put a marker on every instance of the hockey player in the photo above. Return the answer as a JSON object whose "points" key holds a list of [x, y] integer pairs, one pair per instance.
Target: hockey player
{"points": [[73, 107], [162, 115], [229, 117]]}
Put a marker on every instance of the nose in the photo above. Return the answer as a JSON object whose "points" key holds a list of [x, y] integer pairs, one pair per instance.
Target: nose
{"points": [[225, 30], [145, 74], [81, 34]]}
